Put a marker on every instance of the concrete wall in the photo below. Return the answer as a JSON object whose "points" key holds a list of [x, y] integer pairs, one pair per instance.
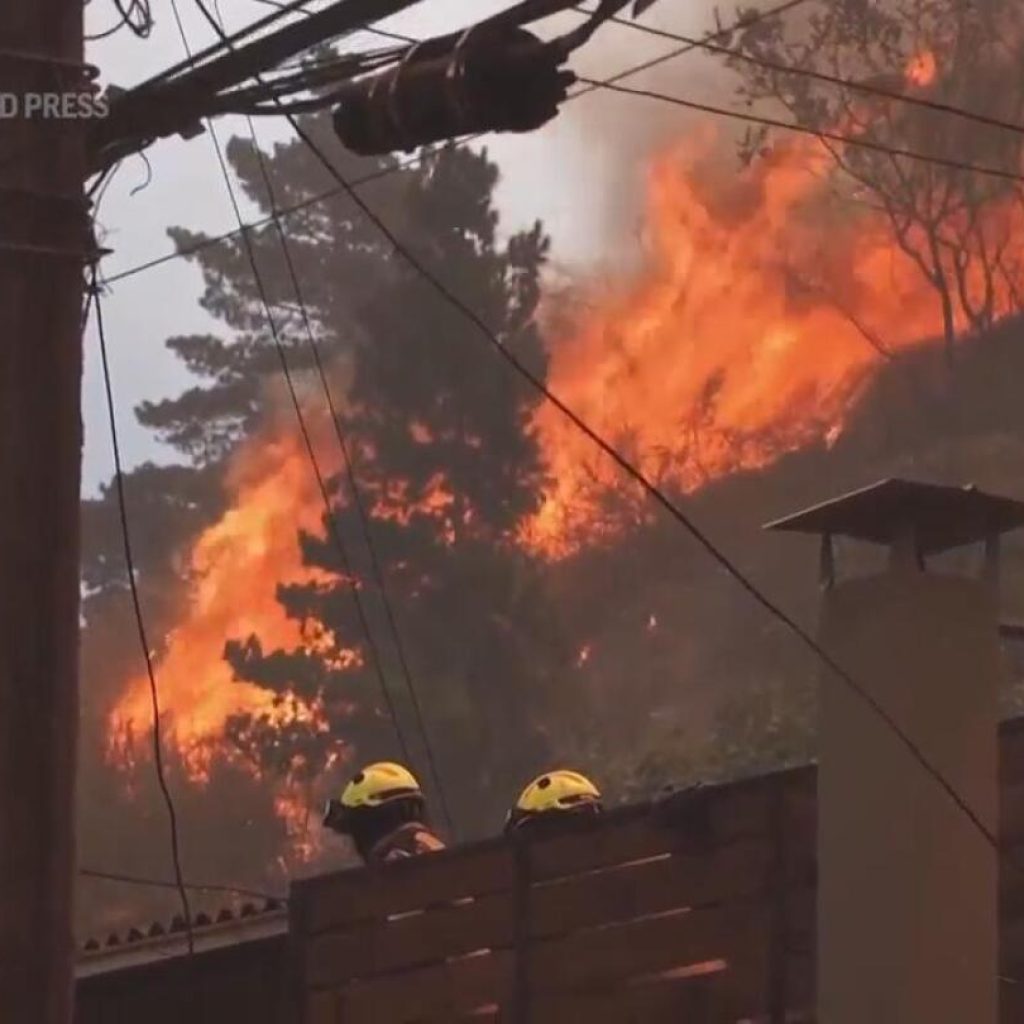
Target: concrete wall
{"points": [[907, 913]]}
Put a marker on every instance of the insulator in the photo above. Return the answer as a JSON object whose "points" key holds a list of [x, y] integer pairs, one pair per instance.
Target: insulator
{"points": [[483, 81]]}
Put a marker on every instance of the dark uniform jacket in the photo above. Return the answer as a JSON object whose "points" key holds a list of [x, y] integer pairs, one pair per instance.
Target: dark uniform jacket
{"points": [[409, 840]]}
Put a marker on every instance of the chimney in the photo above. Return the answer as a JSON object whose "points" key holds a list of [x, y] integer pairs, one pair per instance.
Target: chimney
{"points": [[907, 886]]}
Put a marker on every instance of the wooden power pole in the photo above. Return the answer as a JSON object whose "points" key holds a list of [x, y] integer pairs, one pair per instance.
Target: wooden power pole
{"points": [[43, 247]]}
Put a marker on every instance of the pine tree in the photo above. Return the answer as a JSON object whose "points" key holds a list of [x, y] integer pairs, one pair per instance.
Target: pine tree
{"points": [[439, 434]]}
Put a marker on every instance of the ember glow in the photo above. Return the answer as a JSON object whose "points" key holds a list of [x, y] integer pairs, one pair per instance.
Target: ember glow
{"points": [[922, 69], [746, 334], [293, 805], [236, 566]]}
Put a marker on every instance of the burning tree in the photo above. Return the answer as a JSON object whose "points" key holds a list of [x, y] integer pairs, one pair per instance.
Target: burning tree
{"points": [[950, 221], [122, 825], [446, 463]]}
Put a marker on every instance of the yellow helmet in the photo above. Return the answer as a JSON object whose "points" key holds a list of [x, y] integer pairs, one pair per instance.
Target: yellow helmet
{"points": [[555, 791], [379, 783], [376, 785]]}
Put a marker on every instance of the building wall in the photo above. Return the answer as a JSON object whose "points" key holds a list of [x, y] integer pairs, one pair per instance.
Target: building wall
{"points": [[244, 982]]}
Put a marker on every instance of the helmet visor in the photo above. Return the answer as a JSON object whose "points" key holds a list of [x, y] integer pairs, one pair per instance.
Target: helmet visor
{"points": [[577, 798], [337, 817]]}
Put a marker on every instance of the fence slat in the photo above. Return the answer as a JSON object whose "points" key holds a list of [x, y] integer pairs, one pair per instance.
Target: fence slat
{"points": [[442, 991], [674, 999], [604, 955], [634, 890], [385, 947], [366, 894]]}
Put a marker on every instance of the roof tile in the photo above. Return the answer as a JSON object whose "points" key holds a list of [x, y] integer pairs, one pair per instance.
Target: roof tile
{"points": [[156, 929]]}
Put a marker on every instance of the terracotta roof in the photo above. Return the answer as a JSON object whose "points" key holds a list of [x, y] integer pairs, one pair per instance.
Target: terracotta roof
{"points": [[159, 940]]}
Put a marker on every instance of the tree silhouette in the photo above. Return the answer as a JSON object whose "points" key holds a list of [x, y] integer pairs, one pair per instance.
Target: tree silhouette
{"points": [[942, 51], [439, 436]]}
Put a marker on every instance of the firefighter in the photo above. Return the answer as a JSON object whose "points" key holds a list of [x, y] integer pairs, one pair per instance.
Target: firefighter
{"points": [[551, 800], [384, 813]]}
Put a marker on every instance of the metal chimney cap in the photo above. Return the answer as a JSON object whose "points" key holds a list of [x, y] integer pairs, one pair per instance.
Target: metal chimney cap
{"points": [[939, 517]]}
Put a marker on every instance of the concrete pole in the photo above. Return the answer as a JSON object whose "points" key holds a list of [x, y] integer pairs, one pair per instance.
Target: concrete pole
{"points": [[42, 241], [907, 888]]}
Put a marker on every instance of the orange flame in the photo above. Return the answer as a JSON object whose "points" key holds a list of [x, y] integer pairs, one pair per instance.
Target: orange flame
{"points": [[293, 806], [922, 70], [237, 564], [745, 335]]}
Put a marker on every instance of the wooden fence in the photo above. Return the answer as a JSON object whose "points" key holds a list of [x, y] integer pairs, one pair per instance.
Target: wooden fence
{"points": [[698, 908]]}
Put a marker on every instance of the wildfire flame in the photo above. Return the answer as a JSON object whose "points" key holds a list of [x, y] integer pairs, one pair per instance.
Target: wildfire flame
{"points": [[236, 565], [747, 334]]}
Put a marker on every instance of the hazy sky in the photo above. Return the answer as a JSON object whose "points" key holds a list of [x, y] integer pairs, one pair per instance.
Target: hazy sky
{"points": [[581, 175]]}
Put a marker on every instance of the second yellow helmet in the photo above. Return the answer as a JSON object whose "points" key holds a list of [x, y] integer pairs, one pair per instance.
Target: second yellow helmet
{"points": [[557, 791]]}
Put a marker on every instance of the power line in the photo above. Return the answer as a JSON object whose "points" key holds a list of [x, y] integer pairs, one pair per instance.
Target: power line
{"points": [[174, 104], [372, 29], [156, 883], [330, 521], [122, 507], [135, 15], [353, 483], [282, 10], [284, 211], [845, 83], [424, 154], [818, 133], [742, 22], [662, 499]]}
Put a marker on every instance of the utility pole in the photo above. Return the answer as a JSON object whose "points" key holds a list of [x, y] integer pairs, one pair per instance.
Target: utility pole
{"points": [[43, 248]]}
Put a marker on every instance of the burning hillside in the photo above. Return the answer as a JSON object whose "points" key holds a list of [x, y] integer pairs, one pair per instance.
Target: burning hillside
{"points": [[764, 306]]}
